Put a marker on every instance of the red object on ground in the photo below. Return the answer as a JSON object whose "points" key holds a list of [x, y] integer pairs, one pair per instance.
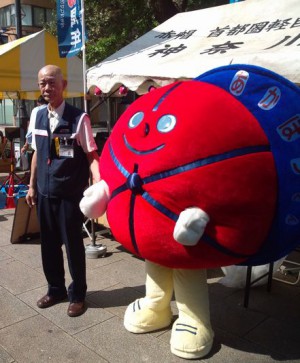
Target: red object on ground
{"points": [[10, 203]]}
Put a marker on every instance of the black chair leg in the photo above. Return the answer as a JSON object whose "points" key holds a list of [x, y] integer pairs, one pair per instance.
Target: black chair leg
{"points": [[270, 276], [249, 283], [248, 286]]}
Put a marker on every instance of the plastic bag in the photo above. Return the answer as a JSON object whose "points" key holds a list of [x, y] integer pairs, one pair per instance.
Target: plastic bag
{"points": [[235, 276]]}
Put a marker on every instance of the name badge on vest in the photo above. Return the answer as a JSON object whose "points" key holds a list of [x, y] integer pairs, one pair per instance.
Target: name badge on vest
{"points": [[66, 148]]}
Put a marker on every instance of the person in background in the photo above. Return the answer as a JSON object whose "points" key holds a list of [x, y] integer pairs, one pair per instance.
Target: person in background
{"points": [[41, 102], [3, 142], [65, 152]]}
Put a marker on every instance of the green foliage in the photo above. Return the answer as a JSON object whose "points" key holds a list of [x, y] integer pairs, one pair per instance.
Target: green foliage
{"points": [[202, 4], [112, 24]]}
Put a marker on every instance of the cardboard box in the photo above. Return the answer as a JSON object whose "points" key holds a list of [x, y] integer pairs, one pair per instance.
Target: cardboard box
{"points": [[4, 165], [103, 221]]}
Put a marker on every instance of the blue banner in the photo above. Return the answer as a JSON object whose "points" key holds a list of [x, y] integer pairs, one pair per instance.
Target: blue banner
{"points": [[69, 27], [234, 1]]}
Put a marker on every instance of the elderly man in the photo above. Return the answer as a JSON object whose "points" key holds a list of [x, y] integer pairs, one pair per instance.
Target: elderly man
{"points": [[65, 150]]}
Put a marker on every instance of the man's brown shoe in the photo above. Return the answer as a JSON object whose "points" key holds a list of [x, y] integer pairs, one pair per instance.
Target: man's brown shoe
{"points": [[47, 301], [76, 309]]}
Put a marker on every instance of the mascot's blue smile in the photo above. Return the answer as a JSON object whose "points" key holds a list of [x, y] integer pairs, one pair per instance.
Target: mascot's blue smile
{"points": [[140, 152]]}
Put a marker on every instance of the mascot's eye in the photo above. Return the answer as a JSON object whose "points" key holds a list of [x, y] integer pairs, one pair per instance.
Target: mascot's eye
{"points": [[136, 119], [166, 123]]}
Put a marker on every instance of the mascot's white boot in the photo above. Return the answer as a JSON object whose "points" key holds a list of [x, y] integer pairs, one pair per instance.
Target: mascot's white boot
{"points": [[192, 336], [152, 312]]}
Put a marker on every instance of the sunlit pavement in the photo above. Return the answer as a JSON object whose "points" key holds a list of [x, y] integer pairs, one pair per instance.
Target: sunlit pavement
{"points": [[267, 331]]}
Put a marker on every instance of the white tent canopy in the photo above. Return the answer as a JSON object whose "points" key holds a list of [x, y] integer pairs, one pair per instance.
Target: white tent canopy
{"points": [[260, 32]]}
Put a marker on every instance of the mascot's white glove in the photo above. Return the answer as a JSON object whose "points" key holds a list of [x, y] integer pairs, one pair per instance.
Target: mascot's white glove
{"points": [[95, 200], [190, 226]]}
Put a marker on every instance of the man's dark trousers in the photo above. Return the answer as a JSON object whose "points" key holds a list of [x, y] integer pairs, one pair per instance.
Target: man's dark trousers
{"points": [[61, 223]]}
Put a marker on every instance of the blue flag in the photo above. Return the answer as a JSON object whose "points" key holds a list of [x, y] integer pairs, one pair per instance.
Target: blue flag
{"points": [[69, 27]]}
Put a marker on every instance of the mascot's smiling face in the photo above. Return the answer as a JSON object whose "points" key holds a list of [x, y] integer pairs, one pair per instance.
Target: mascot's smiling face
{"points": [[181, 123], [194, 144], [164, 125]]}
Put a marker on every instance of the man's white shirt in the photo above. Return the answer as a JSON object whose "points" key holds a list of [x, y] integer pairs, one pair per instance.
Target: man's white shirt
{"points": [[83, 134]]}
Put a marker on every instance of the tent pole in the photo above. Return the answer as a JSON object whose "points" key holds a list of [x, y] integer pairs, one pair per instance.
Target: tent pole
{"points": [[18, 18], [93, 250], [85, 94], [22, 116], [83, 57]]}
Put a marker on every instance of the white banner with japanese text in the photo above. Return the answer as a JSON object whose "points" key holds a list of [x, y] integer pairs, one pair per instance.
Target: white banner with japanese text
{"points": [[260, 32]]}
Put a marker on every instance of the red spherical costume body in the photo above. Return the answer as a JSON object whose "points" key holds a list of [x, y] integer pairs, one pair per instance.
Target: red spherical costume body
{"points": [[200, 174], [189, 144]]}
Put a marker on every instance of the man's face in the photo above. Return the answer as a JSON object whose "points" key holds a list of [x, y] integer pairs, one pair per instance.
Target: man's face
{"points": [[51, 85]]}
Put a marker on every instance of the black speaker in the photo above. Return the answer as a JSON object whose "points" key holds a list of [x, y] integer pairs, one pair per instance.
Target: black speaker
{"points": [[12, 133], [100, 139]]}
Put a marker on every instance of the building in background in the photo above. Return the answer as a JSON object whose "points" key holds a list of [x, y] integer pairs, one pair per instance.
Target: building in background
{"points": [[34, 15]]}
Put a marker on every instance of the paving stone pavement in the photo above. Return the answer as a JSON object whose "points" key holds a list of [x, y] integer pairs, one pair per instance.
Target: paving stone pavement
{"points": [[267, 331]]}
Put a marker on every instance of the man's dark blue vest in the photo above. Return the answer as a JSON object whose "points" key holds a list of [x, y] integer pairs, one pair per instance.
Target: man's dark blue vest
{"points": [[57, 176]]}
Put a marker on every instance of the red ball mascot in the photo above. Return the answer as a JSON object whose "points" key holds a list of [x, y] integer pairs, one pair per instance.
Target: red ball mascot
{"points": [[196, 175]]}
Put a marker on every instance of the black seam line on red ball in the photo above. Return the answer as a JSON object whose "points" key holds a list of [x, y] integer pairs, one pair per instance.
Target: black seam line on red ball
{"points": [[186, 167], [205, 238], [131, 222], [163, 97], [211, 242], [117, 163], [206, 161], [164, 210]]}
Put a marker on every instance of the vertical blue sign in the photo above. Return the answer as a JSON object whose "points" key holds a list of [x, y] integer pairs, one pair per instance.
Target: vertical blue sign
{"points": [[69, 27]]}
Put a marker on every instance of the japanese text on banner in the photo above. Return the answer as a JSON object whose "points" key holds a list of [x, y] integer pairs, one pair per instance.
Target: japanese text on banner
{"points": [[69, 27]]}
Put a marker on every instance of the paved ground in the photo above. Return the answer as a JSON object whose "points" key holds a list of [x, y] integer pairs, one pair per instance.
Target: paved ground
{"points": [[267, 331]]}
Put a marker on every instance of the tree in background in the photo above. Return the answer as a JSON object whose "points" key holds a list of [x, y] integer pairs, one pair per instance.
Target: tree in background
{"points": [[112, 24], [165, 9]]}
